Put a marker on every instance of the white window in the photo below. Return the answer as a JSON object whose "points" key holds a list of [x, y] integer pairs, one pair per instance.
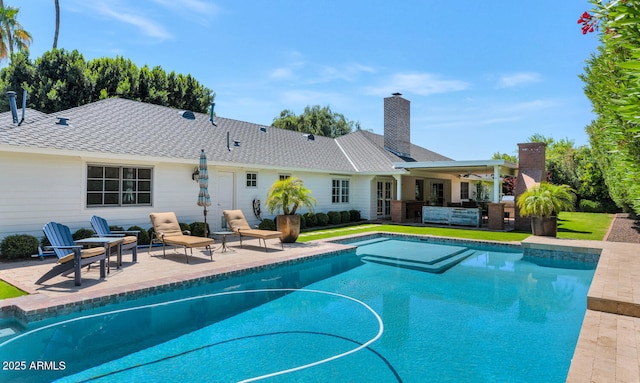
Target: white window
{"points": [[109, 185], [252, 180], [339, 191]]}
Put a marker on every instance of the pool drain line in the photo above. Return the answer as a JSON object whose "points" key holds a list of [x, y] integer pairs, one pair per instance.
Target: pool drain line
{"points": [[277, 373]]}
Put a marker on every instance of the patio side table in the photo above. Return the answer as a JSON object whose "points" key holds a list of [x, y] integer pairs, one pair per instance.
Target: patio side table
{"points": [[224, 234]]}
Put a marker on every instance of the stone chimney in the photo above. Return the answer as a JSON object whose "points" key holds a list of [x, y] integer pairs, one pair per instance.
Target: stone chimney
{"points": [[531, 169], [397, 125]]}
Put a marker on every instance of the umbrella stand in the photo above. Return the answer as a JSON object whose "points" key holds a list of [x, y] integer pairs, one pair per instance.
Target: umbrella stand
{"points": [[206, 234]]}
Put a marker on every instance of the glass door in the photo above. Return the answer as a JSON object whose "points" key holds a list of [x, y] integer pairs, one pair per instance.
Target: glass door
{"points": [[384, 193]]}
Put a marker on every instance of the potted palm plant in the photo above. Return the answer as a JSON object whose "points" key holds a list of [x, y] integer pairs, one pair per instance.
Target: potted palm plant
{"points": [[286, 196], [542, 202]]}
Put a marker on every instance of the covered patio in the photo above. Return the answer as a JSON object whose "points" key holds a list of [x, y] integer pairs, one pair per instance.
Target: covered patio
{"points": [[447, 185]]}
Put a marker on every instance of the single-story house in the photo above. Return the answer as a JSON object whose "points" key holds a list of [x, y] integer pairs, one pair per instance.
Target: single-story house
{"points": [[123, 159]]}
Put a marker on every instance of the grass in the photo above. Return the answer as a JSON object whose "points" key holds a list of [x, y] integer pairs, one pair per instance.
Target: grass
{"points": [[9, 291], [591, 226], [571, 225]]}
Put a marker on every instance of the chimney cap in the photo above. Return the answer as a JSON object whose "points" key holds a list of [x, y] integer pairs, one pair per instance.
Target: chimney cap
{"points": [[397, 94]]}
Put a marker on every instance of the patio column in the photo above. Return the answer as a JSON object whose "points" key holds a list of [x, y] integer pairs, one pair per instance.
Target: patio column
{"points": [[398, 179], [496, 183]]}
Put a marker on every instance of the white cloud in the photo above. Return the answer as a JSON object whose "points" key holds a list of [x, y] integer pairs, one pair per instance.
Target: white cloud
{"points": [[515, 79], [422, 84], [197, 6], [147, 26], [281, 73]]}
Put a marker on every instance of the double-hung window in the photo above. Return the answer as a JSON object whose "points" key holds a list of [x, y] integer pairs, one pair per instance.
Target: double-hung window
{"points": [[339, 190], [109, 185]]}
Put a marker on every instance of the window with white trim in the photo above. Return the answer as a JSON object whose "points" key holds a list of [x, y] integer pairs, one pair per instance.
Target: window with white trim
{"points": [[339, 190], [109, 185], [252, 180]]}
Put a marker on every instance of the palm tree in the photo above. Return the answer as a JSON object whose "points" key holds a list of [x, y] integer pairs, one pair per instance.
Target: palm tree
{"points": [[12, 34], [55, 36]]}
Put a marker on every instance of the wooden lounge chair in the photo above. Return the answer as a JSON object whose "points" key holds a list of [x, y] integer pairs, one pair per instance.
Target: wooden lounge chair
{"points": [[239, 225], [71, 257], [167, 231], [129, 238]]}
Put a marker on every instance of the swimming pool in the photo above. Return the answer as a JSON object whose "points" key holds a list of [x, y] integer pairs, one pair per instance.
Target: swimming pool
{"points": [[491, 317]]}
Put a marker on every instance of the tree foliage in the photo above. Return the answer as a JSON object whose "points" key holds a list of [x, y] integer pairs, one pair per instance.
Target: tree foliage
{"points": [[612, 79], [575, 167], [12, 34], [319, 121], [60, 80]]}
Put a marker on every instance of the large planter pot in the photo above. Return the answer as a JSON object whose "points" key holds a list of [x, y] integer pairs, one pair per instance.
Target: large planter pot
{"points": [[289, 226], [544, 226]]}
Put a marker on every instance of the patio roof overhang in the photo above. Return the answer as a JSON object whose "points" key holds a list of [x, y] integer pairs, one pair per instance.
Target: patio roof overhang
{"points": [[461, 167]]}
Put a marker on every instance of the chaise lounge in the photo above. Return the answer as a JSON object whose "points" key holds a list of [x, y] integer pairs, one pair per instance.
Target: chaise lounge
{"points": [[167, 231], [239, 225]]}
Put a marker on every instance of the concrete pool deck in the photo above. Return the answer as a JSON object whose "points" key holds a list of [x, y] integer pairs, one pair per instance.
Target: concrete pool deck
{"points": [[608, 348]]}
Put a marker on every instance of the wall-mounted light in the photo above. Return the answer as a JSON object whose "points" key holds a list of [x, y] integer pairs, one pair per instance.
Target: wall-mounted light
{"points": [[196, 174]]}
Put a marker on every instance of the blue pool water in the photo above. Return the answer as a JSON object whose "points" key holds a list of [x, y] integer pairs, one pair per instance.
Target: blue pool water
{"points": [[492, 317]]}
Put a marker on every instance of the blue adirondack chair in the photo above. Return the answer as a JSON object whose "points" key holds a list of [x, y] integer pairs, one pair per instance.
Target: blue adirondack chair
{"points": [[71, 257], [130, 237]]}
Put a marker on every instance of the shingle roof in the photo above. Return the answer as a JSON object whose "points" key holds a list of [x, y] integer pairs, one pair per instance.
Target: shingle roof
{"points": [[125, 127]]}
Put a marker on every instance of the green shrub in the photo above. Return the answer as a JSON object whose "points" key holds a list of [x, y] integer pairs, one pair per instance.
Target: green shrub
{"points": [[589, 206], [82, 234], [322, 219], [604, 206], [18, 246], [310, 219], [303, 222], [267, 224], [345, 217], [151, 233], [355, 215], [334, 218], [184, 227], [143, 236], [197, 229], [44, 242]]}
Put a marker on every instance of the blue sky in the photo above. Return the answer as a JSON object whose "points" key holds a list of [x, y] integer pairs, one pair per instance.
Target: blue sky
{"points": [[482, 76]]}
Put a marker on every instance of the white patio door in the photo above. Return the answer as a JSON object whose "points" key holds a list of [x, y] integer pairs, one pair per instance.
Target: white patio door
{"points": [[224, 197]]}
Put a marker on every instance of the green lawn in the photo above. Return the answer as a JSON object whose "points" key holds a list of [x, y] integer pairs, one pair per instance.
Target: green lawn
{"points": [[570, 225], [9, 291]]}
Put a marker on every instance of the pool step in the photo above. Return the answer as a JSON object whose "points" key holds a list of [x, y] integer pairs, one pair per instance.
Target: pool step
{"points": [[433, 265], [6, 331], [369, 241]]}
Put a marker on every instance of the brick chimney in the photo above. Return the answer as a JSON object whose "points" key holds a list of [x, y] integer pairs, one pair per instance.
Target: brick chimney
{"points": [[531, 168], [397, 125]]}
